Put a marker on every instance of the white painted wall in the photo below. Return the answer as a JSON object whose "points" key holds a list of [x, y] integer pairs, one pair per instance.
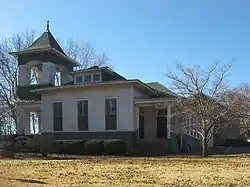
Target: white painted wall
{"points": [[138, 94], [48, 73], [23, 75], [96, 98]]}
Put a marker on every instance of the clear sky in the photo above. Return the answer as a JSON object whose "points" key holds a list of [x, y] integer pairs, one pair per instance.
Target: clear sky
{"points": [[144, 38]]}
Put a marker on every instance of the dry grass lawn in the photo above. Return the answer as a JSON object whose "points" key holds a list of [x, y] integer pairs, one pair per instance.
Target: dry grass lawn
{"points": [[127, 171]]}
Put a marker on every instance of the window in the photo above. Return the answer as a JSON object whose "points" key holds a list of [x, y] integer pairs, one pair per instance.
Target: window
{"points": [[57, 116], [96, 77], [78, 79], [82, 111], [111, 114], [87, 78]]}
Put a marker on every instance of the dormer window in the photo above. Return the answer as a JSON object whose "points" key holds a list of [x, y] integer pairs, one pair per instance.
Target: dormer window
{"points": [[96, 77], [78, 79], [87, 78]]}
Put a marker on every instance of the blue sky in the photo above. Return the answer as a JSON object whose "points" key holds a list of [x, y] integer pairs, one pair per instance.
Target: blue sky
{"points": [[144, 38]]}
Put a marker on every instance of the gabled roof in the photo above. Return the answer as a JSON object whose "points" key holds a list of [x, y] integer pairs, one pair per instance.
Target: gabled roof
{"points": [[105, 68], [45, 41], [74, 86], [159, 87]]}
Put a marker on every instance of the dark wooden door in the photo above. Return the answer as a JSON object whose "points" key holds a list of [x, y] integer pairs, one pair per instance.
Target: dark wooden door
{"points": [[141, 126]]}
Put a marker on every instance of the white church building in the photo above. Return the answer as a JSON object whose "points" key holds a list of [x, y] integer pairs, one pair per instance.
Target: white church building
{"points": [[92, 103]]}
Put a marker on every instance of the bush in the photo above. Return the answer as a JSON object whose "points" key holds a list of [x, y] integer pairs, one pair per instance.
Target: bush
{"points": [[16, 143], [7, 154], [115, 147], [41, 144], [69, 147], [234, 143], [94, 147]]}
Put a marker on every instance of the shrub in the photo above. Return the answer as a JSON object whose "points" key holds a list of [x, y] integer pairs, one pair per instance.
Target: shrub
{"points": [[69, 147], [115, 147], [7, 154], [234, 143], [41, 144], [94, 147]]}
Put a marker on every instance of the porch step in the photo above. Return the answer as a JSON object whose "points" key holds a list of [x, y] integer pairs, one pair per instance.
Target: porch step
{"points": [[149, 148]]}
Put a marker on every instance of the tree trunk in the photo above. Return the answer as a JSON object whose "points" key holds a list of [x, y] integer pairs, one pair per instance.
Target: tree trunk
{"points": [[204, 147]]}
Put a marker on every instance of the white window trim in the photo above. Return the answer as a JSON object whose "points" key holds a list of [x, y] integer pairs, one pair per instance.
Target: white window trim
{"points": [[87, 75], [93, 77], [117, 113], [79, 76], [58, 101], [81, 99]]}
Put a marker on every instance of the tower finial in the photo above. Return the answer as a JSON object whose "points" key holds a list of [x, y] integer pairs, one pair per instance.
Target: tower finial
{"points": [[48, 25]]}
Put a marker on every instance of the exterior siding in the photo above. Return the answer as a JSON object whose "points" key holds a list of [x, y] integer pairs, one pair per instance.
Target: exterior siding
{"points": [[96, 98], [137, 94]]}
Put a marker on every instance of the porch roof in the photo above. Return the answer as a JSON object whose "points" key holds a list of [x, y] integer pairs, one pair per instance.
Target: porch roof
{"points": [[153, 101]]}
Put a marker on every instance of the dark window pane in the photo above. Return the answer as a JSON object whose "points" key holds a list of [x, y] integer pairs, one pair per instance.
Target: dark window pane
{"points": [[85, 107], [161, 127], [111, 122], [111, 117], [82, 123], [113, 106], [96, 77], [57, 116], [107, 106], [78, 79], [87, 78], [141, 126], [162, 112], [82, 107], [79, 108], [57, 124], [59, 109]]}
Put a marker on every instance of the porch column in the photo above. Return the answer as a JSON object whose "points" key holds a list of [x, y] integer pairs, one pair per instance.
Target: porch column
{"points": [[23, 123], [136, 119], [39, 121], [169, 121]]}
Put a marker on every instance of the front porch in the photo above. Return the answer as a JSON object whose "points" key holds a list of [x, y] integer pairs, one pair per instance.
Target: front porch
{"points": [[159, 124], [154, 119], [29, 118]]}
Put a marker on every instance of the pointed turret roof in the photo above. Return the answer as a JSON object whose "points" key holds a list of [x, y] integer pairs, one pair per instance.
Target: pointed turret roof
{"points": [[45, 41]]}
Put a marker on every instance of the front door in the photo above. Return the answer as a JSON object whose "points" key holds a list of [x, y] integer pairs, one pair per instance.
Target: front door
{"points": [[141, 126], [161, 126]]}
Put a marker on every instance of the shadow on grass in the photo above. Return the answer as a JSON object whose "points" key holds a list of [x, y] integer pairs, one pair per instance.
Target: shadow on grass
{"points": [[32, 181]]}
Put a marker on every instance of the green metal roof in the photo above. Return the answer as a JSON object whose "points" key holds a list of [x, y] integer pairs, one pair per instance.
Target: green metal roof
{"points": [[45, 41], [159, 87]]}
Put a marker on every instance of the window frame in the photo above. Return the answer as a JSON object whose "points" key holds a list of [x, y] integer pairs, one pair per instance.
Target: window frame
{"points": [[76, 79], [86, 76], [117, 115], [57, 116], [99, 77], [84, 115]]}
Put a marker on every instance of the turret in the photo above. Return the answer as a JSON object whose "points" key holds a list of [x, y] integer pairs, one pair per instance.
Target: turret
{"points": [[47, 59]]}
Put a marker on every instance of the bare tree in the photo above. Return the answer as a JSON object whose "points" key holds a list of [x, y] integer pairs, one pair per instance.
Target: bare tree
{"points": [[245, 117], [9, 69], [206, 97], [83, 53]]}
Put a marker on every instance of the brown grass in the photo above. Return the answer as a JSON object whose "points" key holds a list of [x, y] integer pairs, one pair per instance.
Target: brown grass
{"points": [[126, 171]]}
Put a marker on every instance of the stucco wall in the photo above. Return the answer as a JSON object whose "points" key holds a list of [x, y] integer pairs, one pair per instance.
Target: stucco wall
{"points": [[96, 98]]}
